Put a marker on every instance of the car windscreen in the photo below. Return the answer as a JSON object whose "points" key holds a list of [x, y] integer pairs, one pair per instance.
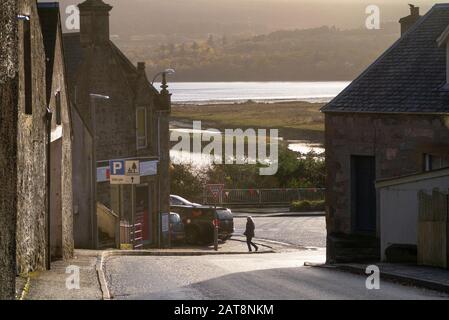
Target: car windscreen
{"points": [[224, 215]]}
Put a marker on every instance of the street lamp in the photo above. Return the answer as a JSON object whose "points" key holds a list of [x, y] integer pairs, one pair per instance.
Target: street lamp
{"points": [[93, 98], [163, 102], [164, 74]]}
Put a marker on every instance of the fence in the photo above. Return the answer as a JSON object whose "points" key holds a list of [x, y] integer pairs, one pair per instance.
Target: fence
{"points": [[263, 196], [433, 229], [130, 236]]}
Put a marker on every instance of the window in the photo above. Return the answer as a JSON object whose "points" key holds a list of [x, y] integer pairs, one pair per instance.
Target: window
{"points": [[58, 107], [435, 162], [141, 130], [28, 83]]}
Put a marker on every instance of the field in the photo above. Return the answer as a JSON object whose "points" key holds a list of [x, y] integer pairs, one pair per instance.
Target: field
{"points": [[295, 120]]}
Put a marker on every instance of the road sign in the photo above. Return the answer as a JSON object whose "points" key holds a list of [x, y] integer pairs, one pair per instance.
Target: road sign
{"points": [[117, 168], [124, 172], [216, 190], [132, 168]]}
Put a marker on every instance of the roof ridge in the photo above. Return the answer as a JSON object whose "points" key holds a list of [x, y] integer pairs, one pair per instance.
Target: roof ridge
{"points": [[383, 55]]}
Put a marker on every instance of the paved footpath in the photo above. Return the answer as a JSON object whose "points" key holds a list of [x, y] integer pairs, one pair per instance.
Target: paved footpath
{"points": [[51, 284]]}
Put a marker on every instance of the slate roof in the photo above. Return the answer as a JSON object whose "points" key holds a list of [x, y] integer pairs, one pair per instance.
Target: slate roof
{"points": [[73, 54], [408, 78]]}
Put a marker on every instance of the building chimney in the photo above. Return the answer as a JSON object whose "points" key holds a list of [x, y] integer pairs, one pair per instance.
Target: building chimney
{"points": [[94, 22], [409, 21], [141, 67]]}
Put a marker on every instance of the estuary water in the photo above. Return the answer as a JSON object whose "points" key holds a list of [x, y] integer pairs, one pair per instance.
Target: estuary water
{"points": [[225, 92]]}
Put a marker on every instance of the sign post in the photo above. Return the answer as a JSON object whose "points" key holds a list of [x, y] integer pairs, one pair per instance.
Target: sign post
{"points": [[127, 172], [216, 190]]}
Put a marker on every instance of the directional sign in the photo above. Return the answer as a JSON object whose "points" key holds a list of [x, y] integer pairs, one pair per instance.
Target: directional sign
{"points": [[132, 168], [124, 172], [124, 180]]}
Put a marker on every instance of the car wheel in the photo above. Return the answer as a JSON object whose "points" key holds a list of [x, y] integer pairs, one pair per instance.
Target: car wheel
{"points": [[192, 236]]}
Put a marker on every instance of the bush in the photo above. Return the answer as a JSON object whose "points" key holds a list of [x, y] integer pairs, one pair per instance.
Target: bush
{"points": [[307, 206], [186, 181]]}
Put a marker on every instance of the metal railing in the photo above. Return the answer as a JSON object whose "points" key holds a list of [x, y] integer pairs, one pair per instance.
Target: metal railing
{"points": [[130, 235], [263, 196]]}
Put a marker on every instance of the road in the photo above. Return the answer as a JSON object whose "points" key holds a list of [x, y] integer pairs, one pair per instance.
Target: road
{"points": [[253, 276], [301, 231]]}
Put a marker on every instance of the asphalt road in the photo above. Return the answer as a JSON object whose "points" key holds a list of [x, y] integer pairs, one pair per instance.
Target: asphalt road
{"points": [[301, 231], [255, 276]]}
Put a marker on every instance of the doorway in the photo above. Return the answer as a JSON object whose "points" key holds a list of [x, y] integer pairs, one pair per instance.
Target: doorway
{"points": [[363, 194]]}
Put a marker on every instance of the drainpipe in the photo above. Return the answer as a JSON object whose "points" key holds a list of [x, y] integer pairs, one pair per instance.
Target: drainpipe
{"points": [[48, 117]]}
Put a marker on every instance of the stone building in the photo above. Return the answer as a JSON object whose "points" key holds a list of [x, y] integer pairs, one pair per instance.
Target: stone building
{"points": [[393, 120], [42, 161], [8, 147], [131, 124]]}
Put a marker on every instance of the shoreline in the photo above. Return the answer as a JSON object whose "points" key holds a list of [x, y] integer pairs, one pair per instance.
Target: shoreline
{"points": [[297, 121]]}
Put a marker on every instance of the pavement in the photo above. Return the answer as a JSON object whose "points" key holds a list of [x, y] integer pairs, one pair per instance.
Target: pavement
{"points": [[52, 284], [272, 212], [272, 276], [408, 274]]}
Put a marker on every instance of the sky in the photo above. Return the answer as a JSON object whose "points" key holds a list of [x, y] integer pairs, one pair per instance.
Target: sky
{"points": [[137, 17]]}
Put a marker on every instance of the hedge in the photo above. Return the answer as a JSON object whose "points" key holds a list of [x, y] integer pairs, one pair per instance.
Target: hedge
{"points": [[307, 206]]}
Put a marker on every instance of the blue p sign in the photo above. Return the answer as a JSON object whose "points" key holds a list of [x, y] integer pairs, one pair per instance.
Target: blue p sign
{"points": [[117, 168]]}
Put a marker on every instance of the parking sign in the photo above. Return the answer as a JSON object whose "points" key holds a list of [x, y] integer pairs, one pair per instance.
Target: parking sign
{"points": [[124, 172]]}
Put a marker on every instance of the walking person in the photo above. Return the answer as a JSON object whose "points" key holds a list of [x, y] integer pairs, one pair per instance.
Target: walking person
{"points": [[249, 233]]}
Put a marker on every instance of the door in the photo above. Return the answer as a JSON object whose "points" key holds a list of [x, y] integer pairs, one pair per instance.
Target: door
{"points": [[363, 194]]}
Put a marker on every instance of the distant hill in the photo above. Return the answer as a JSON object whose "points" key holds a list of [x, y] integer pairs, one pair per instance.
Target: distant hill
{"points": [[201, 17], [317, 54]]}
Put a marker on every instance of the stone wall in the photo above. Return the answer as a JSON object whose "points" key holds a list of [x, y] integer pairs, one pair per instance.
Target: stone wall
{"points": [[82, 182], [31, 161], [64, 178], [397, 141], [8, 147]]}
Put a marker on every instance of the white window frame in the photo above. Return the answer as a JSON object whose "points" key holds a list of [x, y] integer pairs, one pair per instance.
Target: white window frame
{"points": [[434, 162], [140, 145]]}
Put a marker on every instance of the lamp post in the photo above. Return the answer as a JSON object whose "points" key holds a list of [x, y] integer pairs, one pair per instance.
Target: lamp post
{"points": [[93, 221], [163, 102]]}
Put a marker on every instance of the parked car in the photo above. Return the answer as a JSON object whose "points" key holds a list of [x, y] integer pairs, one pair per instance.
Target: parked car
{"points": [[180, 201], [177, 228], [199, 223]]}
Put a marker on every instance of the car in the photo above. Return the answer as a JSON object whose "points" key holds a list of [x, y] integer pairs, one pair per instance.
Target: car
{"points": [[177, 233], [180, 201], [199, 223]]}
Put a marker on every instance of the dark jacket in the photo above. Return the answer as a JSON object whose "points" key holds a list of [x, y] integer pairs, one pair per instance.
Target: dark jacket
{"points": [[249, 232]]}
